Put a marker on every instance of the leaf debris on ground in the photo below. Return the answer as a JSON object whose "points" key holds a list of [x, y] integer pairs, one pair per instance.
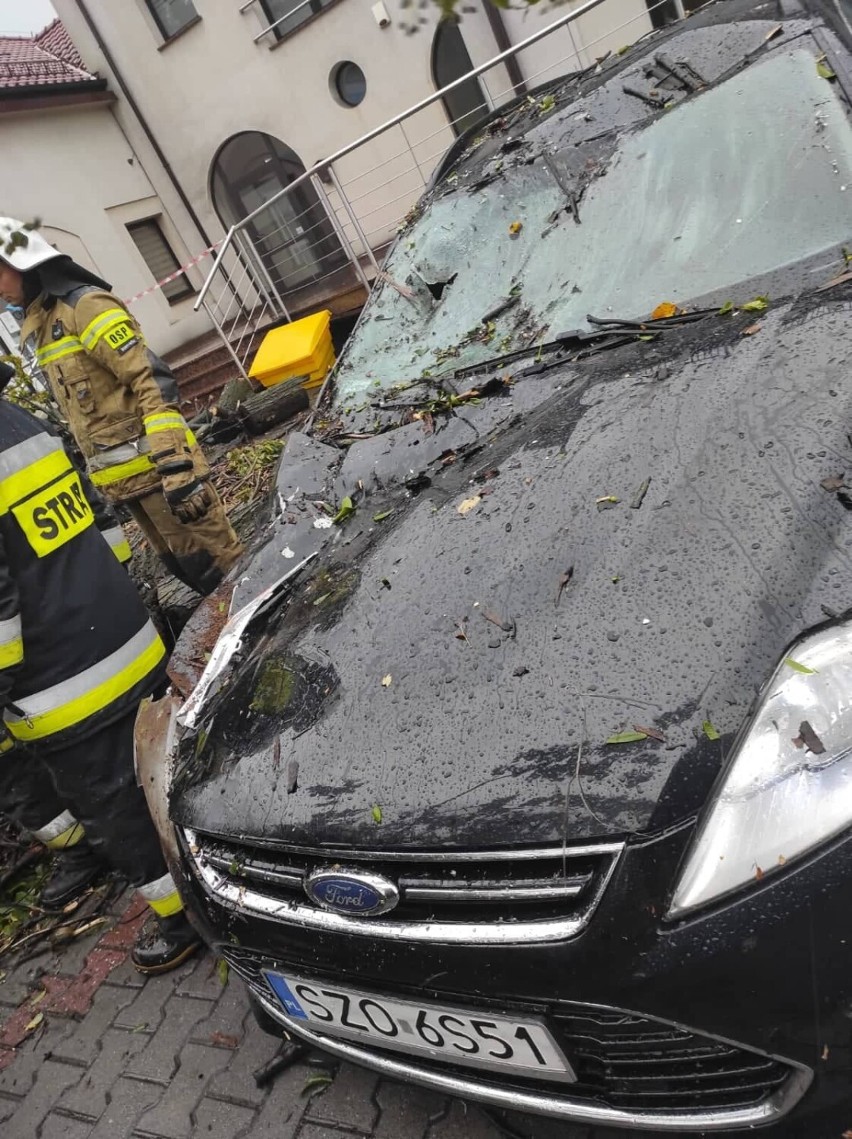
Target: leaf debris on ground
{"points": [[376, 813], [709, 731], [833, 483], [651, 733], [627, 737]]}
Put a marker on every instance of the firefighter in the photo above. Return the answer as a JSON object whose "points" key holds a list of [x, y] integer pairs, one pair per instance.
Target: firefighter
{"points": [[78, 653], [122, 406], [27, 794]]}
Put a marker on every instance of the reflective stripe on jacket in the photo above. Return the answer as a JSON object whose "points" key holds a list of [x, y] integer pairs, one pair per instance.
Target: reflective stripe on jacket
{"points": [[77, 649], [109, 385]]}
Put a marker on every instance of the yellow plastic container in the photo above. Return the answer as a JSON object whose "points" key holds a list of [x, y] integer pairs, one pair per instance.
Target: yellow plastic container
{"points": [[302, 348]]}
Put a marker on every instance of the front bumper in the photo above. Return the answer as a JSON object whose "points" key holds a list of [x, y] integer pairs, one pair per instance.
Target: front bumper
{"points": [[767, 972]]}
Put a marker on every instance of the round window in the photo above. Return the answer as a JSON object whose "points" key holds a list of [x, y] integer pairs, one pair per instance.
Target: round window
{"points": [[348, 83]]}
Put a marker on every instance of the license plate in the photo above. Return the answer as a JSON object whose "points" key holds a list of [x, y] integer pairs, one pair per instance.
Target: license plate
{"points": [[488, 1040]]}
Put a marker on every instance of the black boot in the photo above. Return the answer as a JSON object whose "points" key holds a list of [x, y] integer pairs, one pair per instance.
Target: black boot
{"points": [[75, 868], [164, 944]]}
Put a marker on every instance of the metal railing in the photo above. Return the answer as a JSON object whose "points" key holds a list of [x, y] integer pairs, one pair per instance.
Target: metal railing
{"points": [[326, 231]]}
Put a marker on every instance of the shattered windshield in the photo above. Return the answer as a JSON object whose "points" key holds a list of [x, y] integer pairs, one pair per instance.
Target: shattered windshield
{"points": [[741, 180]]}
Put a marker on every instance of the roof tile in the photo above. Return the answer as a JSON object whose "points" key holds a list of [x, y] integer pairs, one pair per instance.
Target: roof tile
{"points": [[41, 61]]}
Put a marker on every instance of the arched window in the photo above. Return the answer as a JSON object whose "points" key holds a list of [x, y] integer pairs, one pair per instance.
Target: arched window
{"points": [[465, 104], [294, 235]]}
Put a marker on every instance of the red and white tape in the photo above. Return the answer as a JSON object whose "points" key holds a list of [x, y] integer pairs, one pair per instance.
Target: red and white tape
{"points": [[177, 273]]}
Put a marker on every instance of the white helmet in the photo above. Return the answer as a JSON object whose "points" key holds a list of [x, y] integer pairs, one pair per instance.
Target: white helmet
{"points": [[29, 251]]}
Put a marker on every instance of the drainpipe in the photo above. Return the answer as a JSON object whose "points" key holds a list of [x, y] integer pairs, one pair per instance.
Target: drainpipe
{"points": [[149, 134], [501, 36]]}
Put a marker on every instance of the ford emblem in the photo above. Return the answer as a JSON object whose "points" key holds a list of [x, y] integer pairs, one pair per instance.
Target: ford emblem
{"points": [[353, 893]]}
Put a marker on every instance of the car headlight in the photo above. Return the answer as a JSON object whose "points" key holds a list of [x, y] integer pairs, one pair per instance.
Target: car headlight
{"points": [[788, 787]]}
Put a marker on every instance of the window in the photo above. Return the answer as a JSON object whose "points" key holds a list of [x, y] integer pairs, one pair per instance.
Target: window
{"points": [[348, 83], [172, 16], [160, 258], [294, 237], [291, 14], [466, 104]]}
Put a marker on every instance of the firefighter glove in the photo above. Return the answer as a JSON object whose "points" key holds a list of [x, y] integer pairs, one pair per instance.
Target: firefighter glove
{"points": [[191, 501]]}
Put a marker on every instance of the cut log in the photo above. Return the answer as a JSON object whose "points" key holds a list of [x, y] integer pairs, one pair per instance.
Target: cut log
{"points": [[261, 412]]}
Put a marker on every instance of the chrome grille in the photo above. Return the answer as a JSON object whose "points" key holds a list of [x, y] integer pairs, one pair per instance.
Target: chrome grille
{"points": [[502, 896]]}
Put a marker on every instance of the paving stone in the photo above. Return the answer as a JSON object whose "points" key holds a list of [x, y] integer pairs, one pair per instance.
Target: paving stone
{"points": [[91, 1095], [199, 978], [70, 960], [159, 1060], [284, 1109], [464, 1121], [82, 1043], [52, 1080], [172, 1117], [228, 1018], [406, 1111], [236, 1082], [217, 1120], [130, 1100], [20, 982], [7, 1107], [127, 926], [128, 976], [61, 1127], [148, 1008], [19, 1076], [349, 1102], [74, 995]]}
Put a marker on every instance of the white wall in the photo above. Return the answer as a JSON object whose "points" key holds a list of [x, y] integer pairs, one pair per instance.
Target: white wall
{"points": [[73, 169]]}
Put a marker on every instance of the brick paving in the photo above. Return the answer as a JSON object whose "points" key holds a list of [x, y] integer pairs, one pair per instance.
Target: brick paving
{"points": [[89, 1049]]}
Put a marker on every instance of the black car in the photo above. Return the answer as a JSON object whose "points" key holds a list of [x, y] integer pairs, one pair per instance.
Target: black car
{"points": [[524, 769]]}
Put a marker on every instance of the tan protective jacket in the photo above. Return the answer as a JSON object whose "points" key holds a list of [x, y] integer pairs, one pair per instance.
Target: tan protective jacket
{"points": [[114, 392]]}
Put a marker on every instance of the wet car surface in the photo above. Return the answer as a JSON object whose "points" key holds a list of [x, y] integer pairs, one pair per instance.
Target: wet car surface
{"points": [[529, 778]]}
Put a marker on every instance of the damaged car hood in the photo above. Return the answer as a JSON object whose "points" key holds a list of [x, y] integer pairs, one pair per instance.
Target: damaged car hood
{"points": [[633, 553]]}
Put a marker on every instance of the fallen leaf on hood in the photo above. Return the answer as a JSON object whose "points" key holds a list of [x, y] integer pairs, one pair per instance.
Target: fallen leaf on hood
{"points": [[387, 681], [563, 581], [376, 812], [503, 623], [781, 860], [709, 731], [515, 228], [347, 508], [809, 739], [639, 496], [35, 1022], [627, 738], [758, 873], [797, 666], [469, 503], [756, 305], [664, 310], [752, 328], [833, 483], [651, 733]]}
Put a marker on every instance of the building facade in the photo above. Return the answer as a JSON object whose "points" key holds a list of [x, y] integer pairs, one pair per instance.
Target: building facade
{"points": [[210, 107]]}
